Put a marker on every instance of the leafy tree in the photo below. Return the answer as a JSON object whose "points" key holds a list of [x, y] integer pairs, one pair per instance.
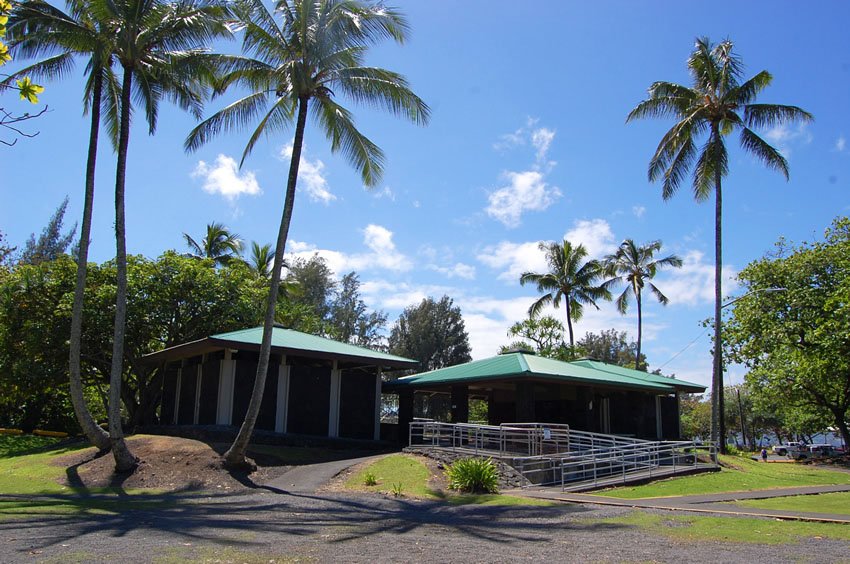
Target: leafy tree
{"points": [[433, 333], [28, 90], [796, 341], [160, 47], [547, 334], [611, 346], [717, 104], [316, 53], [39, 28], [350, 319], [570, 279], [310, 282], [695, 416], [52, 242], [634, 266], [218, 244], [5, 250]]}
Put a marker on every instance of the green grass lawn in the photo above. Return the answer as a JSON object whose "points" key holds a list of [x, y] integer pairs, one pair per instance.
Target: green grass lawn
{"points": [[412, 475], [747, 475], [38, 483], [838, 503], [728, 529]]}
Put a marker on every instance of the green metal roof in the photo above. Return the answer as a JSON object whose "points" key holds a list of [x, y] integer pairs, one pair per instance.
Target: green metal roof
{"points": [[522, 365], [647, 376], [284, 341]]}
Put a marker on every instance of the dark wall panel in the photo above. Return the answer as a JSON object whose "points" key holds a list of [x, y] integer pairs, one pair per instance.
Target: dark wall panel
{"points": [[357, 405], [243, 386], [186, 403], [169, 391], [209, 392], [670, 418], [268, 407], [309, 400]]}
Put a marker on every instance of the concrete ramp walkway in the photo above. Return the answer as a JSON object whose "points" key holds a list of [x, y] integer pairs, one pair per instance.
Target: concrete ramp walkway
{"points": [[706, 503], [310, 477]]}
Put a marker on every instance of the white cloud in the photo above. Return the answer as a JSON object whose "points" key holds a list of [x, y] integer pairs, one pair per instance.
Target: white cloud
{"points": [[693, 284], [224, 178], [526, 191], [311, 177], [542, 139], [840, 144], [383, 253], [385, 192], [458, 270], [513, 259], [595, 235], [783, 137], [638, 211]]}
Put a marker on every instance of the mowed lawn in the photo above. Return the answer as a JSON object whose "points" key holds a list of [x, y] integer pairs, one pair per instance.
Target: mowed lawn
{"points": [[738, 474], [837, 503]]}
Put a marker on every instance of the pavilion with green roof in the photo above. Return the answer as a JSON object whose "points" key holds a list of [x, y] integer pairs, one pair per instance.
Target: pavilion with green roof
{"points": [[586, 394], [315, 386]]}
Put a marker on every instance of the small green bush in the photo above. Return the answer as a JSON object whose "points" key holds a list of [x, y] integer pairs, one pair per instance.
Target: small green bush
{"points": [[398, 489], [369, 479], [475, 475]]}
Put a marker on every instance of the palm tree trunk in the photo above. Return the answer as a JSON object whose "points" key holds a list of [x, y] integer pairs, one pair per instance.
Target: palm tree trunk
{"points": [[640, 326], [718, 427], [235, 455], [95, 434], [570, 326], [125, 461]]}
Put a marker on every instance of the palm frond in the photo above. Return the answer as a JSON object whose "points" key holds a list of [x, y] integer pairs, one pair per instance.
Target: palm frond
{"points": [[233, 117], [339, 127], [769, 115], [383, 89], [763, 151], [662, 299]]}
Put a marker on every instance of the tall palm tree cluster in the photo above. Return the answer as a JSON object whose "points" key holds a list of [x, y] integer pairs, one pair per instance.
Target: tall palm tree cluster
{"points": [[579, 282], [301, 55]]}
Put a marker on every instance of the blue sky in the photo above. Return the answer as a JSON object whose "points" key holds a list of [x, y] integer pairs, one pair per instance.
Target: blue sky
{"points": [[527, 142]]}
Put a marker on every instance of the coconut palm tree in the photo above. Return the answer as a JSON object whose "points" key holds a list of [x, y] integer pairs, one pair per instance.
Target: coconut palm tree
{"points": [[261, 259], [36, 29], [717, 104], [304, 64], [635, 266], [570, 278], [219, 244], [160, 47]]}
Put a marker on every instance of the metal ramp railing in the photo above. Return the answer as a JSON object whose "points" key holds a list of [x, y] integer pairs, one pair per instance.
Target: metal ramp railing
{"points": [[555, 455]]}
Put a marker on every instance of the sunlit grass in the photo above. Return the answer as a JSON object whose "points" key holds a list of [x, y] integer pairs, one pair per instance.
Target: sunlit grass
{"points": [[746, 475], [731, 529], [837, 503]]}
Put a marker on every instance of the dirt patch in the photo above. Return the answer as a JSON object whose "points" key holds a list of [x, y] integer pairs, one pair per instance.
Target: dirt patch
{"points": [[167, 464]]}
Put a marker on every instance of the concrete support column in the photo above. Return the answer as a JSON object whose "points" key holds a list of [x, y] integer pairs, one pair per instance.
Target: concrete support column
{"points": [[378, 379], [226, 376], [525, 402], [333, 412], [460, 404], [405, 415], [282, 397]]}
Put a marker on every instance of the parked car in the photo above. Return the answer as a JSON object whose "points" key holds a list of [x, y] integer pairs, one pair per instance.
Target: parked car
{"points": [[782, 450], [812, 452]]}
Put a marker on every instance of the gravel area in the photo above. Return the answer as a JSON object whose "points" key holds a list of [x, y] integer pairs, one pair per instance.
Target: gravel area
{"points": [[267, 526]]}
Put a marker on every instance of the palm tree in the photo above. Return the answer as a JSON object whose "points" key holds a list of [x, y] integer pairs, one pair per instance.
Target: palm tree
{"points": [[634, 266], [160, 49], [37, 28], [261, 260], [219, 244], [315, 54], [570, 278], [717, 104]]}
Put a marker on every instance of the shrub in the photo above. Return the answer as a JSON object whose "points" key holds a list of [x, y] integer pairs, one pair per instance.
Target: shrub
{"points": [[475, 475], [369, 479], [398, 489]]}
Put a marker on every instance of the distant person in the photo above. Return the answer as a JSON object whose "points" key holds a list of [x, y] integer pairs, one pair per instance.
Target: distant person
{"points": [[764, 455]]}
